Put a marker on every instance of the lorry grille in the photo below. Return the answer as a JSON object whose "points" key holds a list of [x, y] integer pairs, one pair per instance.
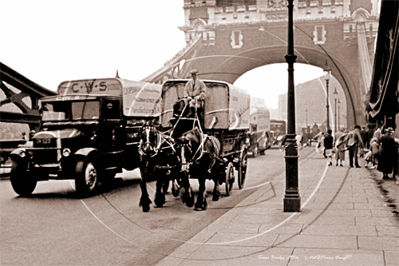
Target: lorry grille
{"points": [[44, 156]]}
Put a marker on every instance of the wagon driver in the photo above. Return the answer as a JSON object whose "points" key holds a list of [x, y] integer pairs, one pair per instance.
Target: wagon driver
{"points": [[195, 89], [194, 97]]}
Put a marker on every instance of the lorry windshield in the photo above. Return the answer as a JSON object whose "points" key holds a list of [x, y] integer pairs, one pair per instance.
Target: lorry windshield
{"points": [[63, 111]]}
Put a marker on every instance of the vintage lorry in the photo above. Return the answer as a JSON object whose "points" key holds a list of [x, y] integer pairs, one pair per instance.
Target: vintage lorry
{"points": [[88, 132], [261, 138]]}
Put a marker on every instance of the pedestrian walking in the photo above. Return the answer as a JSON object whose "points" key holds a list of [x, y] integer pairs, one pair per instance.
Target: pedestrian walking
{"points": [[375, 149], [340, 147], [363, 133], [320, 143], [298, 139], [388, 154], [328, 145], [354, 143], [378, 133]]}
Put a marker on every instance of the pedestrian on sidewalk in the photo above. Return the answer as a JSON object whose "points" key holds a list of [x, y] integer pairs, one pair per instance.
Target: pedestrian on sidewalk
{"points": [[320, 143], [340, 147], [298, 139], [375, 149], [378, 132], [354, 143], [365, 139], [328, 145], [388, 153]]}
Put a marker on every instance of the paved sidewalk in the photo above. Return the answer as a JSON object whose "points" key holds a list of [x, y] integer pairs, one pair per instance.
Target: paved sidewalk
{"points": [[344, 220]]}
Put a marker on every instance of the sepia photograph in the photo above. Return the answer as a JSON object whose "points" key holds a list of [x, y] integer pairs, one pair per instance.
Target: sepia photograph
{"points": [[199, 132]]}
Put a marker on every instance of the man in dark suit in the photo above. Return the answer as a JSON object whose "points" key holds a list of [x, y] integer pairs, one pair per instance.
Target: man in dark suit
{"points": [[354, 143], [364, 135]]}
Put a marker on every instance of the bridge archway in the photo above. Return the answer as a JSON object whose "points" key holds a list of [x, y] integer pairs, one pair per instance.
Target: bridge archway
{"points": [[235, 66]]}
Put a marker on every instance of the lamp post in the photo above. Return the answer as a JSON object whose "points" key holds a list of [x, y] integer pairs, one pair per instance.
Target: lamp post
{"points": [[339, 114], [292, 200], [306, 113], [335, 109], [327, 73]]}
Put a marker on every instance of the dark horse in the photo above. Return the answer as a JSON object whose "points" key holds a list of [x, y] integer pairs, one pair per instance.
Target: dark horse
{"points": [[159, 162], [200, 160]]}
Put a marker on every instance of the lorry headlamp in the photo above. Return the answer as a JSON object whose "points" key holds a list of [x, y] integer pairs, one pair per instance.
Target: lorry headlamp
{"points": [[94, 136], [66, 152], [22, 154]]}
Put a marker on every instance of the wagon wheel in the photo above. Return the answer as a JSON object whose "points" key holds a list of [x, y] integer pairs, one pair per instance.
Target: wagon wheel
{"points": [[229, 178], [242, 167]]}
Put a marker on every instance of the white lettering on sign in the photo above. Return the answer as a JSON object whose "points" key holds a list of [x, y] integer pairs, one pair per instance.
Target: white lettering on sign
{"points": [[78, 87], [109, 86]]}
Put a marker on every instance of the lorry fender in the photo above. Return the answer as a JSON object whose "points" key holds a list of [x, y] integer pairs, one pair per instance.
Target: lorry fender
{"points": [[17, 153], [85, 151]]}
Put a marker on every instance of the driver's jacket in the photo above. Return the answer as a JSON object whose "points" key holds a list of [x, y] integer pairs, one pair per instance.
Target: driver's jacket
{"points": [[197, 89]]}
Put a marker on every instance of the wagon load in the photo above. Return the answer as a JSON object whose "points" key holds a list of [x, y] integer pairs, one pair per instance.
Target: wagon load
{"points": [[229, 105]]}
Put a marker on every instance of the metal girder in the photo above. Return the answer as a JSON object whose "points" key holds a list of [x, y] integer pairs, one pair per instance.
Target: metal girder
{"points": [[22, 83], [9, 117], [28, 89]]}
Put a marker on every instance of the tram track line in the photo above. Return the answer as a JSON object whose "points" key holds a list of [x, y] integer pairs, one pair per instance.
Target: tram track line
{"points": [[201, 243]]}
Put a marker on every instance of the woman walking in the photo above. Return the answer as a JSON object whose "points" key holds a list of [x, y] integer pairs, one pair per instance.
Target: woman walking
{"points": [[388, 153], [340, 147]]}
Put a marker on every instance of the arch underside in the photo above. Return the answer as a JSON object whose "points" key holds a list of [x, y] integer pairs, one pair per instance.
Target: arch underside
{"points": [[231, 68]]}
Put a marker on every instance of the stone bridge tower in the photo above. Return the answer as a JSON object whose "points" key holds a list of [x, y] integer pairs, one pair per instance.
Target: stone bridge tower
{"points": [[227, 38]]}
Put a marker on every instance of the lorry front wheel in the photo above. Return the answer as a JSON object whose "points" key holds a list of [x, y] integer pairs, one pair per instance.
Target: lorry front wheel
{"points": [[86, 179], [22, 181]]}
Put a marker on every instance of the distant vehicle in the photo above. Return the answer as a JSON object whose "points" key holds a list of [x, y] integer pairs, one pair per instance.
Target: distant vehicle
{"points": [[88, 132], [261, 137], [278, 127]]}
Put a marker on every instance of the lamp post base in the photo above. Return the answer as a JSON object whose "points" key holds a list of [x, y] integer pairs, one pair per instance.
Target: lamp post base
{"points": [[292, 200], [292, 204]]}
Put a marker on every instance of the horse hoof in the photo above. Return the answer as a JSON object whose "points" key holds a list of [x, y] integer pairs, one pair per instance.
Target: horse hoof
{"points": [[190, 203], [198, 209], [160, 201], [146, 208], [175, 192], [215, 197]]}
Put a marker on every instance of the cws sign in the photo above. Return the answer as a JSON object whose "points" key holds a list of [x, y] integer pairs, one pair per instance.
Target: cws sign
{"points": [[91, 86]]}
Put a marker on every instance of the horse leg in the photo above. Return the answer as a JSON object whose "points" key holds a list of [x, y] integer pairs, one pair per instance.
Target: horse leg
{"points": [[145, 199], [175, 188], [159, 195], [187, 192], [216, 189], [165, 186], [201, 203]]}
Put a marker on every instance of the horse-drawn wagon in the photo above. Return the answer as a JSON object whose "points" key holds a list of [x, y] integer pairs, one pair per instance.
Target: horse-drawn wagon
{"points": [[226, 118], [208, 149]]}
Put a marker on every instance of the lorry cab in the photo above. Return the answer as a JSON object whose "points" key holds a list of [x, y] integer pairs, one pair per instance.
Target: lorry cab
{"points": [[86, 133]]}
